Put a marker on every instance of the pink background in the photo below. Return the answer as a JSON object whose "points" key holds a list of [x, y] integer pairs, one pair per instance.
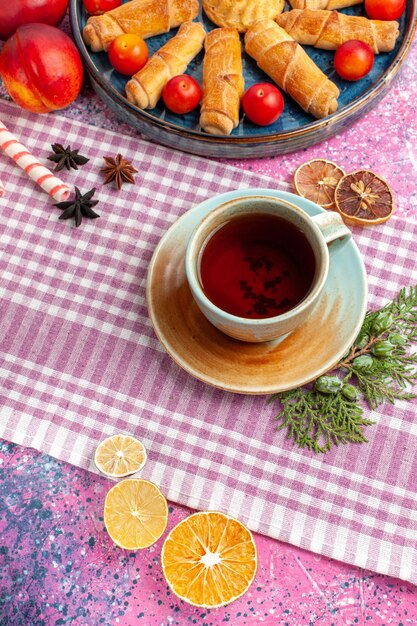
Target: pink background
{"points": [[58, 566]]}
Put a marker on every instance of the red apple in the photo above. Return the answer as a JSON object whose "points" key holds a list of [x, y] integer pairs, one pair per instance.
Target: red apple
{"points": [[14, 13], [41, 68]]}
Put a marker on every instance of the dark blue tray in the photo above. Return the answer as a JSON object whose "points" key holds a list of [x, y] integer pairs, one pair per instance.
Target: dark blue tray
{"points": [[292, 131]]}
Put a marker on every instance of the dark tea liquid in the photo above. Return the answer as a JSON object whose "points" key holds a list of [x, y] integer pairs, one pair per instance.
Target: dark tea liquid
{"points": [[257, 266]]}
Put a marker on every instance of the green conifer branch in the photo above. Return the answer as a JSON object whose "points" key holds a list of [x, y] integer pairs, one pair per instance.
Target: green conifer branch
{"points": [[379, 367]]}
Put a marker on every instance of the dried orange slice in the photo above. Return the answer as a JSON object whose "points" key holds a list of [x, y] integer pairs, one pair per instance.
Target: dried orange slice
{"points": [[209, 559], [316, 180], [135, 513], [120, 455], [364, 198]]}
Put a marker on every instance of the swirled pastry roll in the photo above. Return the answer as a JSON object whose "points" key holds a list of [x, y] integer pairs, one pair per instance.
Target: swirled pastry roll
{"points": [[240, 14], [329, 29], [141, 17], [223, 82], [323, 4], [145, 88], [284, 60]]}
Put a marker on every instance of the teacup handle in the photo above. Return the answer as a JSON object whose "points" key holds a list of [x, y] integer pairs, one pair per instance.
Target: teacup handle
{"points": [[331, 225]]}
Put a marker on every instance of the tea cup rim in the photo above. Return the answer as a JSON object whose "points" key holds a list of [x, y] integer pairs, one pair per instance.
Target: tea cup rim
{"points": [[196, 288]]}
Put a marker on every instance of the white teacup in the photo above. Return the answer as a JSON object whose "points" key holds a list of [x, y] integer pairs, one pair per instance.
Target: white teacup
{"points": [[262, 321]]}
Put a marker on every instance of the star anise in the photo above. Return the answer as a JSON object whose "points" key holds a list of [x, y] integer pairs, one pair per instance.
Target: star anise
{"points": [[65, 157], [79, 207], [119, 170]]}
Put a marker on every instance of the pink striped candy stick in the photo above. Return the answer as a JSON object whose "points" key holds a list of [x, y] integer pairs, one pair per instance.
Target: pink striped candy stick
{"points": [[35, 170]]}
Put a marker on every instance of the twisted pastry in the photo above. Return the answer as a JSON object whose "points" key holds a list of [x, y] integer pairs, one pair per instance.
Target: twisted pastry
{"points": [[329, 29], [145, 88], [140, 17], [284, 60], [241, 14], [323, 4], [223, 82]]}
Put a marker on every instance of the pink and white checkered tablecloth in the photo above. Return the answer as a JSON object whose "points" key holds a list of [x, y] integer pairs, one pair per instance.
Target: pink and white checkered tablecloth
{"points": [[80, 361]]}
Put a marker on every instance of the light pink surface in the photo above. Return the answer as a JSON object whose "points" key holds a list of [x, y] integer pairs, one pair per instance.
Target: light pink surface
{"points": [[295, 587], [58, 563]]}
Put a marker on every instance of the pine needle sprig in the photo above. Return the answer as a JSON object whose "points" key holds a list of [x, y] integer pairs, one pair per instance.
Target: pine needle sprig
{"points": [[378, 367], [317, 421]]}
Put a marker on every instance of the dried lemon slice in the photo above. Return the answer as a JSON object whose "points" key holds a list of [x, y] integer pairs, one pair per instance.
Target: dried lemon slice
{"points": [[364, 198], [209, 559], [316, 180], [135, 513], [120, 455]]}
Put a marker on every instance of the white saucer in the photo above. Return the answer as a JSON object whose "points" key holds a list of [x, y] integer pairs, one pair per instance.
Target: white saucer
{"points": [[218, 360]]}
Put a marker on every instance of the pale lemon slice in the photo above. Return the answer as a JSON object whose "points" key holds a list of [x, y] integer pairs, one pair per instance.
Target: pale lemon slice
{"points": [[135, 513], [209, 559], [316, 180], [120, 455]]}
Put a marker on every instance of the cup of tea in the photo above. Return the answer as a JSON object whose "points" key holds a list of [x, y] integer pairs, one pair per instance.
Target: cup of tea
{"points": [[257, 265]]}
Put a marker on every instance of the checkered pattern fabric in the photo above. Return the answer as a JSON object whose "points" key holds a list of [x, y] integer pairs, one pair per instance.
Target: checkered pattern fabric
{"points": [[79, 359]]}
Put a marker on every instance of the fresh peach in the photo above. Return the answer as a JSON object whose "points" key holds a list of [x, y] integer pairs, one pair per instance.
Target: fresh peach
{"points": [[41, 68], [14, 13]]}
